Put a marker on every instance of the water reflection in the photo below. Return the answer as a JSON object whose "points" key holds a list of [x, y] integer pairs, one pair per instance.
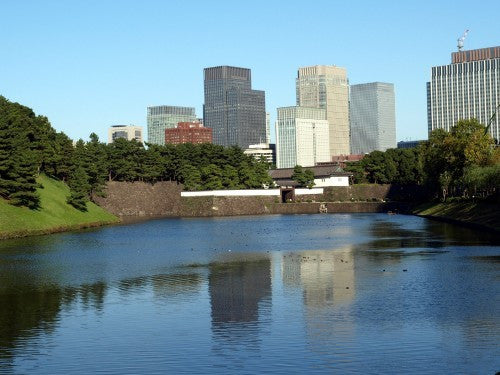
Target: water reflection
{"points": [[316, 297], [29, 312], [327, 277], [237, 290]]}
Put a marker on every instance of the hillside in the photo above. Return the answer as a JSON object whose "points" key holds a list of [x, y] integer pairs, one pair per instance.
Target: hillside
{"points": [[55, 214], [484, 214]]}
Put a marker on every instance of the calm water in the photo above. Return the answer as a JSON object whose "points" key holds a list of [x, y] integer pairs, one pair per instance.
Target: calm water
{"points": [[365, 293]]}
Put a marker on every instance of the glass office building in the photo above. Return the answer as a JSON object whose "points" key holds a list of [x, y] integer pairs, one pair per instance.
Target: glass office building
{"points": [[166, 117], [327, 87], [235, 112], [467, 88], [372, 117]]}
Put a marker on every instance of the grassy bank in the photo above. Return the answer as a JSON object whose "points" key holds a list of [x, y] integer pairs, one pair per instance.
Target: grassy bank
{"points": [[55, 215], [484, 215]]}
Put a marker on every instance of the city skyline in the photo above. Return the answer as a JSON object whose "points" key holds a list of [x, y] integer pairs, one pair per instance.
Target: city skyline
{"points": [[232, 109], [97, 73]]}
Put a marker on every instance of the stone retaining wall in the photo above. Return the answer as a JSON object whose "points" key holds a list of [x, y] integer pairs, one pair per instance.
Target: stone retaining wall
{"points": [[141, 199], [164, 199]]}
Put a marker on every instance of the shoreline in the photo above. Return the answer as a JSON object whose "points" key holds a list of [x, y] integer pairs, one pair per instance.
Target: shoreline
{"points": [[482, 215], [470, 225], [54, 230], [298, 208]]}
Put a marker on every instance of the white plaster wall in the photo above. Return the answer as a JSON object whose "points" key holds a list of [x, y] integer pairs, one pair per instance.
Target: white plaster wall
{"points": [[232, 193], [332, 181]]}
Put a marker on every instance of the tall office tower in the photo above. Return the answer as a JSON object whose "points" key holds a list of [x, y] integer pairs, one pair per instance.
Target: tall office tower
{"points": [[372, 117], [469, 87], [166, 117], [127, 132], [327, 87], [235, 112], [301, 137]]}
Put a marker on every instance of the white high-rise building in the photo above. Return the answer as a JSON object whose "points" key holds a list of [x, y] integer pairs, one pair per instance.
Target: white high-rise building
{"points": [[372, 117], [327, 87], [302, 137], [467, 88]]}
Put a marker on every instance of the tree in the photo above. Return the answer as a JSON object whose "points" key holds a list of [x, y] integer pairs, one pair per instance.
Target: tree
{"points": [[303, 177], [191, 177], [447, 156], [79, 189], [18, 158], [212, 177], [96, 164], [379, 167], [358, 172]]}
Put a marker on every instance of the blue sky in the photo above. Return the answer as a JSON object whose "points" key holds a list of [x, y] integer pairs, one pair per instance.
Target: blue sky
{"points": [[87, 65]]}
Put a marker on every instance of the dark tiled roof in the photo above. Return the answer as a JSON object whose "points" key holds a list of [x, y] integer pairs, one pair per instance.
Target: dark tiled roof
{"points": [[319, 172]]}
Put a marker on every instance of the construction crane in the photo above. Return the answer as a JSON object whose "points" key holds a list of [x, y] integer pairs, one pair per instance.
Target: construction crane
{"points": [[460, 41]]}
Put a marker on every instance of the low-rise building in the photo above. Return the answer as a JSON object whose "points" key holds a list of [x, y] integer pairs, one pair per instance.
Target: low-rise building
{"points": [[127, 132], [324, 176], [266, 150], [188, 132]]}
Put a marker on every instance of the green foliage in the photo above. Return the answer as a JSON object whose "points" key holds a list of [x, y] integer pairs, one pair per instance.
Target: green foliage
{"points": [[454, 163], [446, 157], [80, 188], [303, 177], [482, 180], [358, 172], [29, 145], [19, 154], [380, 168]]}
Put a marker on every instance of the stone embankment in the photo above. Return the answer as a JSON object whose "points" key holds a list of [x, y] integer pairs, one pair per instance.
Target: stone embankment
{"points": [[164, 199]]}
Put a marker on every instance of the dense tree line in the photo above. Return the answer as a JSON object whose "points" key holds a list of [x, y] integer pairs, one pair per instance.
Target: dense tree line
{"points": [[29, 146], [462, 162]]}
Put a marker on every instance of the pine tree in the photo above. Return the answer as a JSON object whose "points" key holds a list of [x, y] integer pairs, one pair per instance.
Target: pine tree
{"points": [[18, 160], [79, 187]]}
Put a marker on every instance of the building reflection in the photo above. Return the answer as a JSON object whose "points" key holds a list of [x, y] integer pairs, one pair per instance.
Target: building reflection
{"points": [[327, 279], [238, 289]]}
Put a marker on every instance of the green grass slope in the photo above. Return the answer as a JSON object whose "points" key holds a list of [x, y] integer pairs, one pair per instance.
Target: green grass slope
{"points": [[54, 215], [479, 214]]}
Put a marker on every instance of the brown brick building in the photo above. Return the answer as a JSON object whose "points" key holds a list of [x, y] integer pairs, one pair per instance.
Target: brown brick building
{"points": [[188, 132]]}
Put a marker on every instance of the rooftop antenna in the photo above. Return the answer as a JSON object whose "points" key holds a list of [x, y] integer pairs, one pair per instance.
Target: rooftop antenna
{"points": [[460, 41]]}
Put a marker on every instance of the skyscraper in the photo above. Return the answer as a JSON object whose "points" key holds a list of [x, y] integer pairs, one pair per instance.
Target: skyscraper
{"points": [[166, 117], [373, 117], [301, 137], [469, 87], [235, 112], [327, 87]]}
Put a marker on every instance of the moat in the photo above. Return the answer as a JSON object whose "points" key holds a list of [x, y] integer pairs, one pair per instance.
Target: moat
{"points": [[334, 293]]}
